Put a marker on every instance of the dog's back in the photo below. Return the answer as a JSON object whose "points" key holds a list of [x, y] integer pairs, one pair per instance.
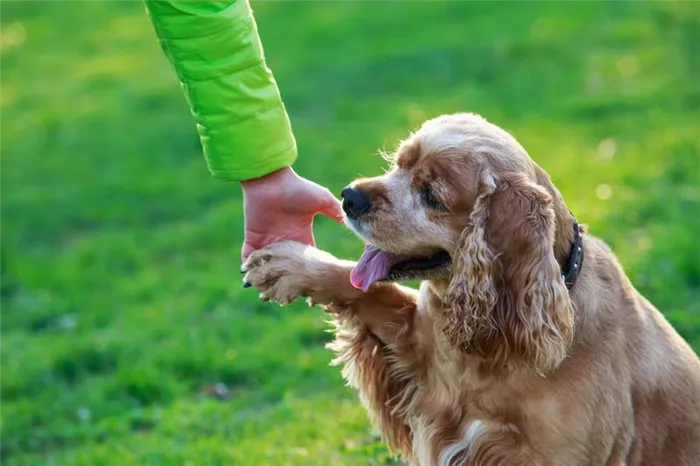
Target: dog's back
{"points": [[666, 393], [646, 368]]}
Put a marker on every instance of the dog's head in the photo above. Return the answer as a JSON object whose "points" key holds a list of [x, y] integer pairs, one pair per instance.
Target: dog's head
{"points": [[464, 203]]}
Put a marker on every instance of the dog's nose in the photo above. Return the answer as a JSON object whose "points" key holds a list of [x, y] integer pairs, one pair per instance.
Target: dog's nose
{"points": [[355, 202]]}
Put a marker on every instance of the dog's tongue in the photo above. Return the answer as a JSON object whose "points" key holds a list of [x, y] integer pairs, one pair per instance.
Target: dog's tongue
{"points": [[373, 266]]}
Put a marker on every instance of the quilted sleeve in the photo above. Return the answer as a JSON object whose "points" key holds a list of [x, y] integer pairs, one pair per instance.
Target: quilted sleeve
{"points": [[215, 50]]}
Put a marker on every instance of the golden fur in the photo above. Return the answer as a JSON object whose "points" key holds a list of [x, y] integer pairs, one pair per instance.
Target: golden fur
{"points": [[497, 364]]}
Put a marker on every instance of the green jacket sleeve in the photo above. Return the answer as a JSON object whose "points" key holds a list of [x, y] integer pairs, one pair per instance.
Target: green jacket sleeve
{"points": [[216, 53]]}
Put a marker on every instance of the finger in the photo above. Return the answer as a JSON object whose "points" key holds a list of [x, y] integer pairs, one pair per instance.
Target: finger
{"points": [[332, 208], [311, 240], [246, 251]]}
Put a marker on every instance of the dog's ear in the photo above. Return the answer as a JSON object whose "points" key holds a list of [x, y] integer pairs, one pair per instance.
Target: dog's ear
{"points": [[471, 295], [507, 301]]}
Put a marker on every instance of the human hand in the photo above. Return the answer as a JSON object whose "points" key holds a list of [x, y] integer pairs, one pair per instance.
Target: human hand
{"points": [[281, 206]]}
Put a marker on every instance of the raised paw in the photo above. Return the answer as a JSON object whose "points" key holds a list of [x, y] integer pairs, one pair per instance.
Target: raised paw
{"points": [[283, 271]]}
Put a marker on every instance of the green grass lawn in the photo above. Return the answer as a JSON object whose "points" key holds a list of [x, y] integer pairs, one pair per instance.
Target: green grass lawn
{"points": [[126, 335]]}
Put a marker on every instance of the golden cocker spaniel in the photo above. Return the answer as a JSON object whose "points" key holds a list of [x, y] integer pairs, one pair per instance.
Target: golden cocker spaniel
{"points": [[526, 344]]}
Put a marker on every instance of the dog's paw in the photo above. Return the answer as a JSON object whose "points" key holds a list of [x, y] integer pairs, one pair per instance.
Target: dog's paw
{"points": [[282, 272]]}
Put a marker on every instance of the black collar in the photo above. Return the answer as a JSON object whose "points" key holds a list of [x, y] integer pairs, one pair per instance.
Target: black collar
{"points": [[575, 262]]}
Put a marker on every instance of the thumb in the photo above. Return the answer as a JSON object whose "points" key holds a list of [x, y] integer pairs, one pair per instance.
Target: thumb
{"points": [[332, 207]]}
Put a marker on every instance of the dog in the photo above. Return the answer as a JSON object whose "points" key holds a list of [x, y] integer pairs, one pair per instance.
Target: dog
{"points": [[526, 344]]}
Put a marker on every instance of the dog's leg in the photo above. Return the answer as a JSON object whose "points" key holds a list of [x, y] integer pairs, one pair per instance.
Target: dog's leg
{"points": [[374, 330], [287, 270]]}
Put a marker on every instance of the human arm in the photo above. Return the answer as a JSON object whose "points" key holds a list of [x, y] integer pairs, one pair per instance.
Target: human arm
{"points": [[216, 53]]}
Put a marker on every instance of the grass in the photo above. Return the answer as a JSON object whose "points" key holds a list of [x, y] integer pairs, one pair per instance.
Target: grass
{"points": [[126, 336]]}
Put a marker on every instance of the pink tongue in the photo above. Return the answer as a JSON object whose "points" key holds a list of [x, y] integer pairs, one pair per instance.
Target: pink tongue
{"points": [[373, 266]]}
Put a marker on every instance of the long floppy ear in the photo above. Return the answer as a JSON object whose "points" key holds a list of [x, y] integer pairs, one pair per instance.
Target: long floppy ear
{"points": [[507, 301]]}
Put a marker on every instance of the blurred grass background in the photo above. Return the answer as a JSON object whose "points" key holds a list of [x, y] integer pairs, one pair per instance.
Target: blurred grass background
{"points": [[126, 336]]}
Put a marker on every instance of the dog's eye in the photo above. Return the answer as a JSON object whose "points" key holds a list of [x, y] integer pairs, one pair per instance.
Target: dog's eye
{"points": [[429, 198]]}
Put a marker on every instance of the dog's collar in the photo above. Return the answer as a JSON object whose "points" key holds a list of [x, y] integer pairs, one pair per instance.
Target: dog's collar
{"points": [[575, 262]]}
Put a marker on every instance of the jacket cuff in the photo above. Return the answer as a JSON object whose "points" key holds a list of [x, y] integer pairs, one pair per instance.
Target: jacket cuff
{"points": [[233, 155]]}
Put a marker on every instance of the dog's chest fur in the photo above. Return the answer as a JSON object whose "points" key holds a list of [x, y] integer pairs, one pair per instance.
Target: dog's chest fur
{"points": [[444, 430], [455, 412]]}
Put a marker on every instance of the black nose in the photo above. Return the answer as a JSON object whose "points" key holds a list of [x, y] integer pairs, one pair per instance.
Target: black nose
{"points": [[355, 202]]}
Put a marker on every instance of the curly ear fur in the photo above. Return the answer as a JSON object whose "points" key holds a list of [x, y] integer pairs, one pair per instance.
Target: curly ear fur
{"points": [[507, 301], [471, 294]]}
